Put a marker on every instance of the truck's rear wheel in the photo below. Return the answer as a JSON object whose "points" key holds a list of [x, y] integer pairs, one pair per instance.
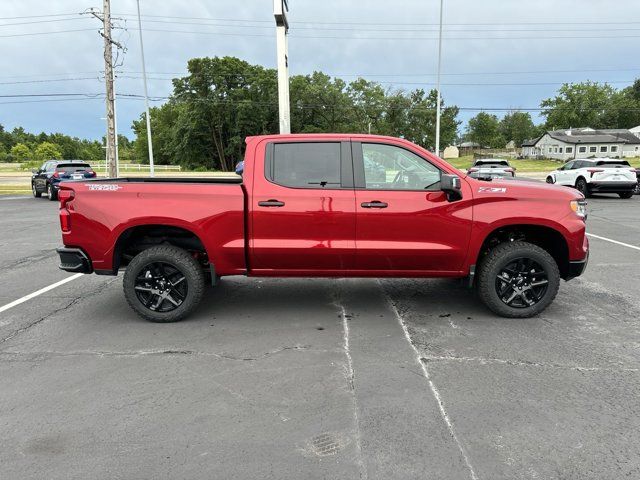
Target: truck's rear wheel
{"points": [[518, 279], [626, 194], [164, 284]]}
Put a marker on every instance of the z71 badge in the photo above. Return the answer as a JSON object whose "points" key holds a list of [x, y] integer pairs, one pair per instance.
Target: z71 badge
{"points": [[106, 187], [492, 190]]}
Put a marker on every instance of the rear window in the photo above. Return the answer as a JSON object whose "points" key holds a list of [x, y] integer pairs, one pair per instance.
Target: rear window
{"points": [[72, 167], [496, 163], [306, 165], [622, 163]]}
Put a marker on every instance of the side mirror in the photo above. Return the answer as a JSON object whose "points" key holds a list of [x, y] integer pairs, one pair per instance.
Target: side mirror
{"points": [[452, 186]]}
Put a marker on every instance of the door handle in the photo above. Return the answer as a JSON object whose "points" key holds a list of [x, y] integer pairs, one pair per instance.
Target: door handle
{"points": [[374, 204], [271, 203]]}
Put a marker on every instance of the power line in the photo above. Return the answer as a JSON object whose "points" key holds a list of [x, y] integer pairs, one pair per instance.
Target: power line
{"points": [[48, 33], [334, 37], [42, 21]]}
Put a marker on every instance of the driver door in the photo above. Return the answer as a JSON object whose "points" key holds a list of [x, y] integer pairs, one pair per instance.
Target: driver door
{"points": [[404, 222]]}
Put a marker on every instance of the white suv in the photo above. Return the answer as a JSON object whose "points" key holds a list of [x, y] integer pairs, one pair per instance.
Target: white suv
{"points": [[597, 175]]}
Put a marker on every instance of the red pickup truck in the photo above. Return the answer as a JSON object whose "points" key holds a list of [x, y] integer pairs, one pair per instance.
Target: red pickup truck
{"points": [[325, 205]]}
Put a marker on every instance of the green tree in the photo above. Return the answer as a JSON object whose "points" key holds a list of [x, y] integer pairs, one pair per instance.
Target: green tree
{"points": [[517, 126], [47, 151], [484, 129], [587, 104], [21, 153]]}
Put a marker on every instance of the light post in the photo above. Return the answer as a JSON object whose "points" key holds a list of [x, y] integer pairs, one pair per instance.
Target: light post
{"points": [[280, 9], [438, 83], [146, 95]]}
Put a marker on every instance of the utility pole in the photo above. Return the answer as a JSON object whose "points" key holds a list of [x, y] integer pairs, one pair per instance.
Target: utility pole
{"points": [[112, 129], [438, 84], [146, 95], [280, 9]]}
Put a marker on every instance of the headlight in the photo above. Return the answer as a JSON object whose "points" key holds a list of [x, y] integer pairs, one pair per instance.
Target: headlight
{"points": [[579, 207]]}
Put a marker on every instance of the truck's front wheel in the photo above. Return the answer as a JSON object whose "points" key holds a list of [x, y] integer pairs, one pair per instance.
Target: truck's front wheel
{"points": [[518, 279], [164, 284]]}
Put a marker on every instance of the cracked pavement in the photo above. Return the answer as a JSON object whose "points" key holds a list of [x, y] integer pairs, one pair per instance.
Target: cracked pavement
{"points": [[318, 378]]}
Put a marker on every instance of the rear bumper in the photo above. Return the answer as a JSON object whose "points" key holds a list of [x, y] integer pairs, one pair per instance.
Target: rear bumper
{"points": [[612, 187], [74, 260]]}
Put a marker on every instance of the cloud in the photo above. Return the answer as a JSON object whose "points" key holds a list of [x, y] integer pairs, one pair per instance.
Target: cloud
{"points": [[470, 64]]}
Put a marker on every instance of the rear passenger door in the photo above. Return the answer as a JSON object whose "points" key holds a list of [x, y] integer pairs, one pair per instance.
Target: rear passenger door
{"points": [[303, 209]]}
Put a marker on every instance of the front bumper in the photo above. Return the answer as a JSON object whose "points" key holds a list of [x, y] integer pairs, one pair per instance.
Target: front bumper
{"points": [[577, 267], [74, 260], [612, 187]]}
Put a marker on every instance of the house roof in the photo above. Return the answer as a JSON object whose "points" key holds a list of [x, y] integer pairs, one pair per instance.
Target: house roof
{"points": [[614, 135], [530, 142]]}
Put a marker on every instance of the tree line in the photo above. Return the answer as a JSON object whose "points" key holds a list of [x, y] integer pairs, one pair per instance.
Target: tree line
{"points": [[222, 100], [586, 104]]}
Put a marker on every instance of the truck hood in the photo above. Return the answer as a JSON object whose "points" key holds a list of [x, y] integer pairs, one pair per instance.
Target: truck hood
{"points": [[522, 188]]}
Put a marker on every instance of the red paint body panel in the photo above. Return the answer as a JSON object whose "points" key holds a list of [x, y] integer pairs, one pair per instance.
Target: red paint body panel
{"points": [[213, 212], [322, 232]]}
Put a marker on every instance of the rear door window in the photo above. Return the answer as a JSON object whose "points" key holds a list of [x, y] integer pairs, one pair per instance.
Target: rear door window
{"points": [[305, 165]]}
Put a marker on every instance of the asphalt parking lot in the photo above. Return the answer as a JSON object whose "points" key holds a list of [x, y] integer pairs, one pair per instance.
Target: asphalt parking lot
{"points": [[289, 378]]}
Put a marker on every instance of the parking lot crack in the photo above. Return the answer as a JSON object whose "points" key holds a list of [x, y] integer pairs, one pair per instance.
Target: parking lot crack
{"points": [[434, 390], [350, 376], [143, 353], [523, 363]]}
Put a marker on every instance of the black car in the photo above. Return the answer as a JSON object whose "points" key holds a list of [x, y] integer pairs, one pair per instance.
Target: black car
{"points": [[47, 179]]}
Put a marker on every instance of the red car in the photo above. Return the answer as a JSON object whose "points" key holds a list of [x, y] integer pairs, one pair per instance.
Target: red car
{"points": [[311, 205]]}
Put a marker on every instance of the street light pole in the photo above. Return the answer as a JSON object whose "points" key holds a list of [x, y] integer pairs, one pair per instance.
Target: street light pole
{"points": [[280, 9], [146, 95], [438, 83]]}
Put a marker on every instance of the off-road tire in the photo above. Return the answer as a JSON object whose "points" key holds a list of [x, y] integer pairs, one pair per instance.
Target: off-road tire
{"points": [[51, 193], [179, 259], [626, 195], [583, 187], [501, 256], [34, 190]]}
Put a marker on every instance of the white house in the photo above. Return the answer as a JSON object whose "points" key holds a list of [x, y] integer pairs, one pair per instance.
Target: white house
{"points": [[583, 143]]}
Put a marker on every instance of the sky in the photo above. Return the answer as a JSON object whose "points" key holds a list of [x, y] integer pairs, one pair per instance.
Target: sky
{"points": [[496, 54]]}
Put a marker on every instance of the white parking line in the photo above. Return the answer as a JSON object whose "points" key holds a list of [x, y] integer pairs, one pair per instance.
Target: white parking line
{"points": [[613, 241], [39, 292]]}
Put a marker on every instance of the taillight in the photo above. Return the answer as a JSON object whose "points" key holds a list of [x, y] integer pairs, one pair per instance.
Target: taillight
{"points": [[91, 173], [65, 196], [510, 170], [594, 170], [472, 170], [65, 220], [56, 175]]}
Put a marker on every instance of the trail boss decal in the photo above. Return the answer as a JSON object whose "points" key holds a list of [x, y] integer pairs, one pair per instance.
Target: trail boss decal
{"points": [[107, 188], [492, 190]]}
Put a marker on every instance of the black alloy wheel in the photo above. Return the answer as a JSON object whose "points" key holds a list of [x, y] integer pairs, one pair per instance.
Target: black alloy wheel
{"points": [[161, 287], [521, 283], [164, 283]]}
